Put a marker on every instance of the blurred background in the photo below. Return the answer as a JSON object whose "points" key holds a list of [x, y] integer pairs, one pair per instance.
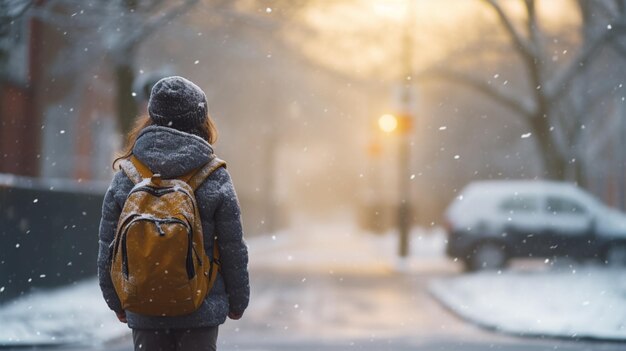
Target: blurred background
{"points": [[350, 128]]}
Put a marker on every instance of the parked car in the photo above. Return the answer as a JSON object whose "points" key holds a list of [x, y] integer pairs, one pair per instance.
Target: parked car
{"points": [[491, 222]]}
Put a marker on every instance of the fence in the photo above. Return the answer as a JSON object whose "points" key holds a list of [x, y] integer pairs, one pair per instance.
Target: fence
{"points": [[48, 233]]}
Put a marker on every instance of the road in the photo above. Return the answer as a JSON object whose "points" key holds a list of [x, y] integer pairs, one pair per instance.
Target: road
{"points": [[308, 294]]}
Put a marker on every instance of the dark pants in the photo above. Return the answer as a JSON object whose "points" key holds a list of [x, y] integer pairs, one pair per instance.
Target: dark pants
{"points": [[197, 339]]}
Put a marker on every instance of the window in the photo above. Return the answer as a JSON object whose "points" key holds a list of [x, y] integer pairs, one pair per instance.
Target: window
{"points": [[517, 204], [558, 205]]}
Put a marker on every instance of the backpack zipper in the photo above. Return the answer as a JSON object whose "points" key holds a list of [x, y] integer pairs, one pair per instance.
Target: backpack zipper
{"points": [[157, 222], [158, 192]]}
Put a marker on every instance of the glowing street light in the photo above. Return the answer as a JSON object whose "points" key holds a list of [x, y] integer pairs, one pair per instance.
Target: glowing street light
{"points": [[388, 123]]}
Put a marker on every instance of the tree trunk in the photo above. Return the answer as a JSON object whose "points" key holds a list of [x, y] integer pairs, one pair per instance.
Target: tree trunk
{"points": [[554, 163], [125, 102]]}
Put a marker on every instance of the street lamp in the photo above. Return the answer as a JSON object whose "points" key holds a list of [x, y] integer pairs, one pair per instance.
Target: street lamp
{"points": [[401, 125], [388, 123]]}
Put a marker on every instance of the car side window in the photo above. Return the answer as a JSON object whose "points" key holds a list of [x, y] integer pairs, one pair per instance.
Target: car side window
{"points": [[519, 204], [558, 205]]}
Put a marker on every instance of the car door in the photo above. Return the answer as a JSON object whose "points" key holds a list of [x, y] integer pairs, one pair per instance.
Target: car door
{"points": [[525, 223], [570, 225]]}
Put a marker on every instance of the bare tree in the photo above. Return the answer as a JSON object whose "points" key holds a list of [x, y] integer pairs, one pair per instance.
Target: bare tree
{"points": [[547, 103], [112, 29]]}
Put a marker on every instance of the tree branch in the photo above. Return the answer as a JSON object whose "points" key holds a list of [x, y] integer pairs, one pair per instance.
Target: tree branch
{"points": [[535, 45], [151, 25], [481, 86], [562, 79], [521, 44]]}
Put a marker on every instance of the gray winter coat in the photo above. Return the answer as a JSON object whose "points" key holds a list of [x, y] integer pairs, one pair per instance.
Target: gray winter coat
{"points": [[173, 153]]}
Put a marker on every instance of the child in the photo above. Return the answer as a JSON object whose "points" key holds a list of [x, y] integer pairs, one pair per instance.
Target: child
{"points": [[174, 140]]}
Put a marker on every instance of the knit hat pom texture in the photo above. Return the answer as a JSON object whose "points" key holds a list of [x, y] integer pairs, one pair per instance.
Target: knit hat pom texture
{"points": [[178, 103]]}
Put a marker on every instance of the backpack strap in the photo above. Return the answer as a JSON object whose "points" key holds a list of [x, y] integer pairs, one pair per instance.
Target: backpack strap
{"points": [[194, 180], [215, 265], [135, 169], [201, 174]]}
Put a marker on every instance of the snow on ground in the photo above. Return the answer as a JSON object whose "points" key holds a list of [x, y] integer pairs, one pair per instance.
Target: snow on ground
{"points": [[73, 314], [344, 247], [576, 302], [78, 313], [585, 301]]}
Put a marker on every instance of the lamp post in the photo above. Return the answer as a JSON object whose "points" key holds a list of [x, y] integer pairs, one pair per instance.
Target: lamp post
{"points": [[401, 125], [405, 125]]}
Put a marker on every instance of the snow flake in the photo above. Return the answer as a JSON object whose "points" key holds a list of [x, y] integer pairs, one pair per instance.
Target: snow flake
{"points": [[609, 26], [35, 201], [1, 289], [196, 62], [412, 176], [527, 135], [133, 94], [456, 157], [268, 10], [17, 246], [443, 128], [62, 131]]}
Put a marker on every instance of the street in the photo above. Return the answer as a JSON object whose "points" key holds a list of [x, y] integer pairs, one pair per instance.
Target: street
{"points": [[336, 290], [359, 312]]}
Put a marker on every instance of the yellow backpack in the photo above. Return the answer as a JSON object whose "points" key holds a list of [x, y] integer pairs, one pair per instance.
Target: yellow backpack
{"points": [[158, 263]]}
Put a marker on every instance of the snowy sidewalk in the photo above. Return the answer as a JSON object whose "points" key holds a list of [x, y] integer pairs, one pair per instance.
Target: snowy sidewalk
{"points": [[78, 313], [73, 314], [579, 302]]}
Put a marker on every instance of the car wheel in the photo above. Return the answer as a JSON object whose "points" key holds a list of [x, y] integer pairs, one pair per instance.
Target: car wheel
{"points": [[615, 255], [487, 256]]}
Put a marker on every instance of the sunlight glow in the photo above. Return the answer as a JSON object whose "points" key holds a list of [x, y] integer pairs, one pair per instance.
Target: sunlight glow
{"points": [[388, 123]]}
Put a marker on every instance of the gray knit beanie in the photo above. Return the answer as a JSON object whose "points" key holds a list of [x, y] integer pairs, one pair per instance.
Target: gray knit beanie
{"points": [[177, 103]]}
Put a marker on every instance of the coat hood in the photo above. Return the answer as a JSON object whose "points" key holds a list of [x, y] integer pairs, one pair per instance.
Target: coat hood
{"points": [[171, 152]]}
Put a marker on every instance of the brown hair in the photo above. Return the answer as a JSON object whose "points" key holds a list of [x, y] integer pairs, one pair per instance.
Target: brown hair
{"points": [[206, 131]]}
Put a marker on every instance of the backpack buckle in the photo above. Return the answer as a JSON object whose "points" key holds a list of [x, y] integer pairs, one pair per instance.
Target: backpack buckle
{"points": [[156, 179]]}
